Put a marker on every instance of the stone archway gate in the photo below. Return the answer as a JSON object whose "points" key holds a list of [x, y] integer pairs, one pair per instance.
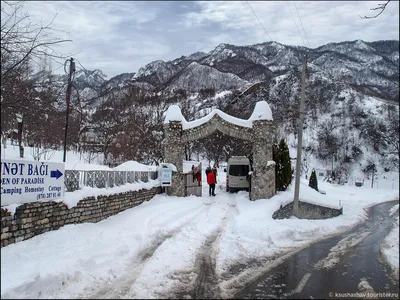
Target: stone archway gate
{"points": [[257, 129]]}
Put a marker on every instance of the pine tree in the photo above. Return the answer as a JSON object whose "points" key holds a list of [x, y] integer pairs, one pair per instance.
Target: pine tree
{"points": [[286, 166], [275, 157], [313, 183], [283, 168]]}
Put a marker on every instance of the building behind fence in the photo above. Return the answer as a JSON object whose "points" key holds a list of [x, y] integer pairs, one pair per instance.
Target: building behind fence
{"points": [[75, 179]]}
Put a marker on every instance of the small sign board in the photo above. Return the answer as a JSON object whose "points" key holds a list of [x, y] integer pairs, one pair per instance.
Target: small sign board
{"points": [[166, 176], [25, 181]]}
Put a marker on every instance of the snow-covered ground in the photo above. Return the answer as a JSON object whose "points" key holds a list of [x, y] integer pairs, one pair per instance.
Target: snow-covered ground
{"points": [[390, 245], [74, 160], [148, 250]]}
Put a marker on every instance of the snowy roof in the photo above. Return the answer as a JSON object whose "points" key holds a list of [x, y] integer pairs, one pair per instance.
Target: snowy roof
{"points": [[262, 111]]}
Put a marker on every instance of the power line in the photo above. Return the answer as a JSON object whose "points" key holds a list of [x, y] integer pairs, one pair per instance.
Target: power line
{"points": [[301, 22], [259, 21], [81, 65], [298, 30]]}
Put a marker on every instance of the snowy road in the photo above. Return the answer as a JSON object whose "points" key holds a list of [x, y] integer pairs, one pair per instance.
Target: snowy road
{"points": [[174, 247], [199, 234], [348, 263]]}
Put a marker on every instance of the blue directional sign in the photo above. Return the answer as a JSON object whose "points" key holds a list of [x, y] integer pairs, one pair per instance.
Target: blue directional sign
{"points": [[56, 174]]}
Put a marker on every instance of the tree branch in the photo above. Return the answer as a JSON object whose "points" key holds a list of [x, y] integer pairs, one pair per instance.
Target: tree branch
{"points": [[30, 51], [381, 7]]}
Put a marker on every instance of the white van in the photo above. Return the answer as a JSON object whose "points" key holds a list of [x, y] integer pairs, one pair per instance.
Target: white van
{"points": [[237, 175]]}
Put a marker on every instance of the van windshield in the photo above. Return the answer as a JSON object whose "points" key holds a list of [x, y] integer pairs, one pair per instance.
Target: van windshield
{"points": [[238, 170]]}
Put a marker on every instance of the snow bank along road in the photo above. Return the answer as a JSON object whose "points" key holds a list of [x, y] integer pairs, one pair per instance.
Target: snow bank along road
{"points": [[342, 265], [169, 247]]}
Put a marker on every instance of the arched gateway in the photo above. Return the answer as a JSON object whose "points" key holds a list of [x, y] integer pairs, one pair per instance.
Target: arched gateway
{"points": [[257, 129]]}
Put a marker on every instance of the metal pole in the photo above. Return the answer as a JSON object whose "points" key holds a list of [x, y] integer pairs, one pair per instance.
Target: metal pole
{"points": [[71, 69], [300, 141], [20, 120], [373, 175], [4, 145]]}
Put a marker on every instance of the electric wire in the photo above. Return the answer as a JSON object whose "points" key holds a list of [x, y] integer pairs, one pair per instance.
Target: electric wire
{"points": [[259, 20], [81, 64], [301, 22], [65, 64], [59, 67], [298, 30]]}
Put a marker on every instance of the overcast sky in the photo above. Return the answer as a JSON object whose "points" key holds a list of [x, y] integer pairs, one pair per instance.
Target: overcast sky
{"points": [[118, 37]]}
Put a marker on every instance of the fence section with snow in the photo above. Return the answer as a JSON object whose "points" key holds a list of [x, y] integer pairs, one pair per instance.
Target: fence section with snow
{"points": [[31, 219], [75, 179]]}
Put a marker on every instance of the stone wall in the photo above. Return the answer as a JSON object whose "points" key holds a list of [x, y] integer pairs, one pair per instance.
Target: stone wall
{"points": [[174, 152], [307, 211], [31, 219], [262, 181], [177, 187]]}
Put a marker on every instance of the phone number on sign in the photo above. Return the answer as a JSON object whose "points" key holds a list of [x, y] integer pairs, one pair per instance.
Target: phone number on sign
{"points": [[48, 195]]}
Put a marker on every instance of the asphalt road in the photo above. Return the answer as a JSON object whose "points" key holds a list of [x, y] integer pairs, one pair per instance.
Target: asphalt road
{"points": [[335, 268]]}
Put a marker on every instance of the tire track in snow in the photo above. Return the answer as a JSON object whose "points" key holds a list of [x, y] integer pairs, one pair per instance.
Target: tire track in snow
{"points": [[206, 282], [120, 287], [206, 285]]}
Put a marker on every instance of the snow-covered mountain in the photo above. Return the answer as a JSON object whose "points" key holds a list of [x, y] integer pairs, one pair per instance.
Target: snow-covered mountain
{"points": [[88, 79], [352, 96], [196, 77], [372, 67]]}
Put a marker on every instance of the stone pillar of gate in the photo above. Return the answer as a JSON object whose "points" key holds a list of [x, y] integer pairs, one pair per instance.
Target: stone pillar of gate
{"points": [[173, 153], [263, 178]]}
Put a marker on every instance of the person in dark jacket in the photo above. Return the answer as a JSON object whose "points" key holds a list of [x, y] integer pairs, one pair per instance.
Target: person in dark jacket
{"points": [[215, 172], [211, 183], [208, 170]]}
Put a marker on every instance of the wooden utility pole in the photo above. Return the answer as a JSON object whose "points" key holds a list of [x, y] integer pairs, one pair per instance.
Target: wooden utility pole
{"points": [[300, 141], [71, 70]]}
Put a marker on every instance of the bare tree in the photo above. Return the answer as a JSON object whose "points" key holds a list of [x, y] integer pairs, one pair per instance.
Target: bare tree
{"points": [[89, 156], [39, 153], [22, 39], [23, 44], [306, 162], [380, 7]]}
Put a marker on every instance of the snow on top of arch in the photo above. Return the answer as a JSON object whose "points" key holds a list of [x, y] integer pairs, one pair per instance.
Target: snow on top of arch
{"points": [[174, 114], [261, 111]]}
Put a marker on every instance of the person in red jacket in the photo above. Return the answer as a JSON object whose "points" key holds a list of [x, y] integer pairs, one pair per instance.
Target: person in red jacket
{"points": [[211, 180]]}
